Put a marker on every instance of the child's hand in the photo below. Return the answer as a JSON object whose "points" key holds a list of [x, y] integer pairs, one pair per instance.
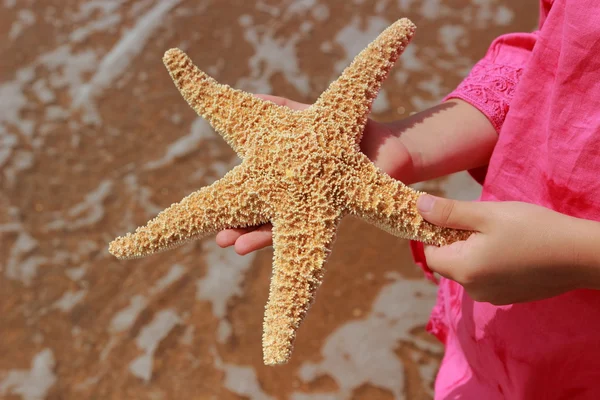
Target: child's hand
{"points": [[394, 159], [521, 252]]}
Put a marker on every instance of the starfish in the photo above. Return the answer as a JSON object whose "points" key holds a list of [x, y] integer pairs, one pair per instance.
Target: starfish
{"points": [[302, 171]]}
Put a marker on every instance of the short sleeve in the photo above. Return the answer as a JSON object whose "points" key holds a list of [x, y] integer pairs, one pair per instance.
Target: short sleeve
{"points": [[491, 84]]}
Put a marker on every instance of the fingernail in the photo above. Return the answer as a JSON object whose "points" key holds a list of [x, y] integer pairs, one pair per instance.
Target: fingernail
{"points": [[425, 203]]}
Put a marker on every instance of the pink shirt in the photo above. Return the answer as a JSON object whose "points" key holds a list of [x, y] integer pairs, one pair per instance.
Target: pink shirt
{"points": [[541, 91]]}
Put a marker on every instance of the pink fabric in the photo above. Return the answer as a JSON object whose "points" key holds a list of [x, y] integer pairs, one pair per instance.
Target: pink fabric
{"points": [[542, 93]]}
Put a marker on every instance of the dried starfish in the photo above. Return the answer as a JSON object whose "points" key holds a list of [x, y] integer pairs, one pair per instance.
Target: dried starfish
{"points": [[302, 170]]}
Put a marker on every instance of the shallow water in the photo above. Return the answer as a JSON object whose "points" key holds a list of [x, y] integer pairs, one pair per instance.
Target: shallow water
{"points": [[95, 140]]}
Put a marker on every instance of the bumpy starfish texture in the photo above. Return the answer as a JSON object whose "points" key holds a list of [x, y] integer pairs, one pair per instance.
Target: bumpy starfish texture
{"points": [[302, 170]]}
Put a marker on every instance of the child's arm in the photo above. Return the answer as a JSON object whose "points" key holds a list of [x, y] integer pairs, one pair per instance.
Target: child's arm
{"points": [[460, 133], [451, 137]]}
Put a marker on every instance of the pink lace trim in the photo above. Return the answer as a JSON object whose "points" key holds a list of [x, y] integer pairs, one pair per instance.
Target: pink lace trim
{"points": [[489, 87]]}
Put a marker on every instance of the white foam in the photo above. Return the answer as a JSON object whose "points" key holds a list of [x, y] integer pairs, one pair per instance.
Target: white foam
{"points": [[7, 144], [77, 273], [380, 6], [124, 319], [116, 61], [200, 131], [67, 69], [405, 5], [434, 9], [272, 54], [326, 47], [504, 15], [54, 113], [173, 275], [433, 86], [139, 6], [69, 300], [25, 19], [22, 160], [489, 13], [409, 61], [320, 12], [273, 11], [32, 384], [112, 342], [87, 9], [188, 336], [354, 39], [12, 102], [141, 196], [245, 20], [400, 307], [421, 103], [86, 213], [450, 35], [300, 7], [148, 340], [241, 380], [86, 383], [176, 118], [104, 24], [22, 265], [222, 281], [10, 227]]}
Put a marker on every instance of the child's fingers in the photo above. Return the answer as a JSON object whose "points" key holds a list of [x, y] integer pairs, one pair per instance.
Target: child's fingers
{"points": [[255, 240], [446, 260], [228, 237], [282, 101]]}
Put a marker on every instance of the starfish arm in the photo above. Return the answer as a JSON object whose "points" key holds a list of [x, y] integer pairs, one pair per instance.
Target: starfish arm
{"points": [[242, 119], [232, 201], [348, 99], [302, 243], [391, 206]]}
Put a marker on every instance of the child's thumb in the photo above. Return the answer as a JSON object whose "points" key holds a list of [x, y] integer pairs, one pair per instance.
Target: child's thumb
{"points": [[451, 213]]}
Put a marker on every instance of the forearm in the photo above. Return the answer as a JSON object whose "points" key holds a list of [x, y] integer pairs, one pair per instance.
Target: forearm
{"points": [[451, 137], [583, 239], [565, 246]]}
